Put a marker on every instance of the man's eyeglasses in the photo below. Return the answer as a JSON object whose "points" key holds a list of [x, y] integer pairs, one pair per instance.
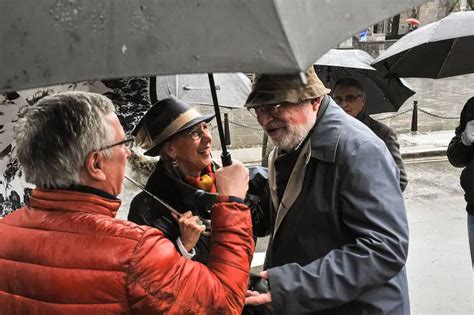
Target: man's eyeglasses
{"points": [[197, 132], [127, 143], [269, 109], [347, 98]]}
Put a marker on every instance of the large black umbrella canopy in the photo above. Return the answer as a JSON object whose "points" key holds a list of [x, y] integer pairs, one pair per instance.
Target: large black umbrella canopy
{"points": [[56, 41], [437, 50], [383, 94]]}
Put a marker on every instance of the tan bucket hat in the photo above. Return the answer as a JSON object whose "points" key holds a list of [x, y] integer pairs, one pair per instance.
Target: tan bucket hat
{"points": [[270, 89]]}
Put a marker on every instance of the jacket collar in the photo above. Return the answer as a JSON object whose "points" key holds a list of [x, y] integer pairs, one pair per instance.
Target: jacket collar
{"points": [[327, 131], [91, 190], [73, 201], [363, 116]]}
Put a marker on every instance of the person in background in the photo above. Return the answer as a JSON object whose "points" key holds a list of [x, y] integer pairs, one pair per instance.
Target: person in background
{"points": [[350, 95], [337, 222], [65, 253], [461, 154]]}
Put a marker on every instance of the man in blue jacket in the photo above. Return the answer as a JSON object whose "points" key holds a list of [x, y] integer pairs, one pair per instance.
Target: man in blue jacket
{"points": [[337, 222]]}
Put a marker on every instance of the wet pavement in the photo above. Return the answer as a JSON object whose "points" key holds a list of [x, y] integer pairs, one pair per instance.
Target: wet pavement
{"points": [[439, 267]]}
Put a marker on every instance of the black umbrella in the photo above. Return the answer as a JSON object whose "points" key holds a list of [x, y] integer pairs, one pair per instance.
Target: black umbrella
{"points": [[438, 50], [383, 94]]}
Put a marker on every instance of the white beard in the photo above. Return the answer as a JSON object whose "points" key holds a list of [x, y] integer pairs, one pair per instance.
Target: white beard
{"points": [[294, 136]]}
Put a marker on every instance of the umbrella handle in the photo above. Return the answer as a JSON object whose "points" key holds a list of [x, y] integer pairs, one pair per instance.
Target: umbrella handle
{"points": [[226, 159]]}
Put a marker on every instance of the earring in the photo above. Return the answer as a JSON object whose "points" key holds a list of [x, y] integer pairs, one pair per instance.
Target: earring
{"points": [[175, 169], [174, 163]]}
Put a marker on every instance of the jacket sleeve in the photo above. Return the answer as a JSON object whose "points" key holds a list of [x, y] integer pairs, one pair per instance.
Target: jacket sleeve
{"points": [[371, 207], [162, 281], [459, 155], [393, 146]]}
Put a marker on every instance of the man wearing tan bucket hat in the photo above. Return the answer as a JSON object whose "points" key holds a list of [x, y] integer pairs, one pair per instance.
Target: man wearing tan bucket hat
{"points": [[337, 222]]}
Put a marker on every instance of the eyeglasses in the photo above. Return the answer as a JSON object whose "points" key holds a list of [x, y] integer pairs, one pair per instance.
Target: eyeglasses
{"points": [[347, 98], [127, 143], [197, 132], [269, 109]]}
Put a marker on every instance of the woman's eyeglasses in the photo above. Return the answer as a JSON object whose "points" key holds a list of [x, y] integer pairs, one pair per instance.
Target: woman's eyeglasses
{"points": [[197, 132]]}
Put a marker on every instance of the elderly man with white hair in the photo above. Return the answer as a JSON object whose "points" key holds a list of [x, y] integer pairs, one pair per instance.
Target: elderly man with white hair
{"points": [[337, 222]]}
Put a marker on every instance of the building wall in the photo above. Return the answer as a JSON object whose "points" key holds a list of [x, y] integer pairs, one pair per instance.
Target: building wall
{"points": [[426, 13], [433, 10], [376, 41]]}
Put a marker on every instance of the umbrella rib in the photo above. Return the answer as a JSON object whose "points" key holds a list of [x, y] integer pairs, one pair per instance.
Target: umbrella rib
{"points": [[447, 57], [287, 38], [397, 61]]}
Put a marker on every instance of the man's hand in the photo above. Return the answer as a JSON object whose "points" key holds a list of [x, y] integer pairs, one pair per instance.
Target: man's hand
{"points": [[190, 230], [467, 137], [233, 180], [256, 298]]}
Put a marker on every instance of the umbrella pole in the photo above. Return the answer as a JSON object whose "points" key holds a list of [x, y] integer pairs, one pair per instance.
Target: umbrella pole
{"points": [[152, 91], [225, 156]]}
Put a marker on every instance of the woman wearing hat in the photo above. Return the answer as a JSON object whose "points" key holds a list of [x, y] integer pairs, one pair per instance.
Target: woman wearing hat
{"points": [[183, 177]]}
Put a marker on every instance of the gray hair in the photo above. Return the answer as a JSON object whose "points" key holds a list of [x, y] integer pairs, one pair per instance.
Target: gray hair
{"points": [[143, 140], [55, 135], [350, 82]]}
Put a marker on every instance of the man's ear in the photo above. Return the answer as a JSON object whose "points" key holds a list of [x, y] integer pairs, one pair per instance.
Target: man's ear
{"points": [[93, 166], [316, 102]]}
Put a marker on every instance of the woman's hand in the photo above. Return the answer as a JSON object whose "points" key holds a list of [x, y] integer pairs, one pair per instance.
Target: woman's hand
{"points": [[190, 229]]}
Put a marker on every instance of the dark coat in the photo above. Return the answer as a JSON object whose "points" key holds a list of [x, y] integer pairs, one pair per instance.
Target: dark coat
{"points": [[339, 241], [388, 136], [168, 186], [461, 155]]}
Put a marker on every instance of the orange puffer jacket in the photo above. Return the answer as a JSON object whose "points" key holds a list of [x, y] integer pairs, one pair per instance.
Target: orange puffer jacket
{"points": [[66, 254]]}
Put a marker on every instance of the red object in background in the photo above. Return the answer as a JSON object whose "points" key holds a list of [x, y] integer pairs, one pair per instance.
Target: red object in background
{"points": [[412, 21]]}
